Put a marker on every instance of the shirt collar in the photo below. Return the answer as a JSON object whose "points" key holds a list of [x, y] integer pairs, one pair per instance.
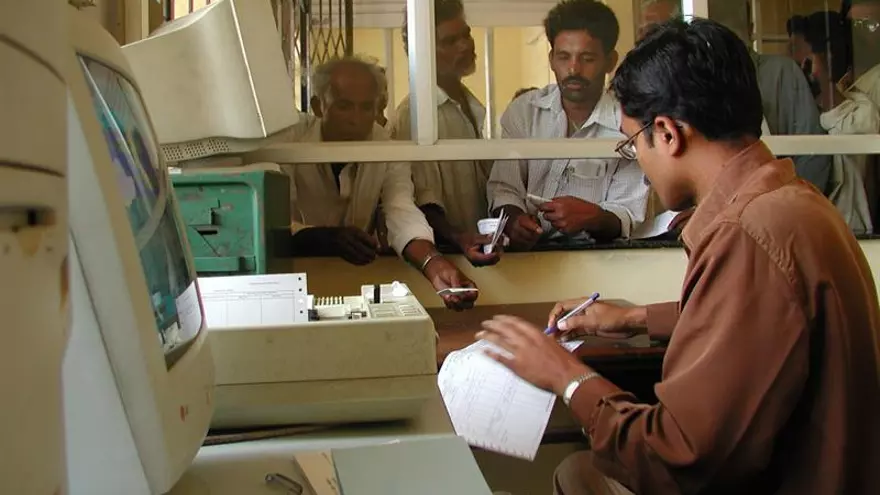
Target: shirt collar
{"points": [[735, 176], [606, 113], [477, 108], [313, 134]]}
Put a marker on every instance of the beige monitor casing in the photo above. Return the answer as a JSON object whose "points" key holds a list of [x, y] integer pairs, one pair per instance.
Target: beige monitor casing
{"points": [[133, 425], [215, 81], [33, 244]]}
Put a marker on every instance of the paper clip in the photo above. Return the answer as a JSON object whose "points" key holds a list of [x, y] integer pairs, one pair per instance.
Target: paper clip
{"points": [[278, 479]]}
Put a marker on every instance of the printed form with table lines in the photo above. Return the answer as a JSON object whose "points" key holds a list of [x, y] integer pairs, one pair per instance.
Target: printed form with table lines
{"points": [[492, 408]]}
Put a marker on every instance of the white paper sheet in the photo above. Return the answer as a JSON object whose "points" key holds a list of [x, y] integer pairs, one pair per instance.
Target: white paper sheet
{"points": [[492, 408], [654, 227], [319, 472], [254, 300]]}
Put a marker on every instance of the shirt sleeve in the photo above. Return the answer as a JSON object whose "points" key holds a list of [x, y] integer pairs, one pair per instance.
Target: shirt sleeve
{"points": [[627, 196], [662, 318], [800, 116], [426, 179], [732, 374], [508, 179], [404, 219], [869, 84], [855, 115]]}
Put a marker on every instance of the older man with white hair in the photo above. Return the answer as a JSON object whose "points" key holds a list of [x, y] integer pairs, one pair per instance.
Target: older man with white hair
{"points": [[335, 205]]}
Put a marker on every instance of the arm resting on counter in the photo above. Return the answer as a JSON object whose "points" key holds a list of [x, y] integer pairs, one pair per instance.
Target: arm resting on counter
{"points": [[660, 319], [729, 384]]}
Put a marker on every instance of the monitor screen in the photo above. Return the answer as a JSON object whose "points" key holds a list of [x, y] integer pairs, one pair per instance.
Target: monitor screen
{"points": [[144, 186]]}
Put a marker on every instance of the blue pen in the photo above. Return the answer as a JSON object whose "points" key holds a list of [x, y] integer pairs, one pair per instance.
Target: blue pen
{"points": [[584, 305]]}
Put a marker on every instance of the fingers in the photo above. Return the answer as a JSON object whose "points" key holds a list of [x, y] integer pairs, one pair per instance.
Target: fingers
{"points": [[477, 258], [548, 207], [580, 323], [357, 252], [529, 224], [557, 312], [499, 340], [482, 239], [510, 329], [554, 216], [365, 239], [525, 232], [452, 302], [505, 360], [452, 277]]}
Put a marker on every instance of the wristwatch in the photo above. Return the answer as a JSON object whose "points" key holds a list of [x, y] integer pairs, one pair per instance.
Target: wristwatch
{"points": [[573, 385]]}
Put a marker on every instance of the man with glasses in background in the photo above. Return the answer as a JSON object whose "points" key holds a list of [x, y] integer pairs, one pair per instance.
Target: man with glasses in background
{"points": [[865, 17], [602, 199]]}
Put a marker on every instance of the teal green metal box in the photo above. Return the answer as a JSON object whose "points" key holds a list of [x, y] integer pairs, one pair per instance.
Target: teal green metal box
{"points": [[237, 223]]}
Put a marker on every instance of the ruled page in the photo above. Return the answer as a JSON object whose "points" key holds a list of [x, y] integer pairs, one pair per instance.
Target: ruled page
{"points": [[254, 300], [490, 407]]}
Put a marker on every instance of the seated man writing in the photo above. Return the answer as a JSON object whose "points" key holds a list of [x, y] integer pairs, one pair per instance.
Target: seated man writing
{"points": [[598, 198], [770, 380], [334, 205]]}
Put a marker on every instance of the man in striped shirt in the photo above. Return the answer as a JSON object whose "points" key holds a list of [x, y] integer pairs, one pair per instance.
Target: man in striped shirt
{"points": [[602, 199]]}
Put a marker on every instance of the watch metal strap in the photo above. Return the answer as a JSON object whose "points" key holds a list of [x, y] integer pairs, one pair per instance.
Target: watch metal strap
{"points": [[574, 384]]}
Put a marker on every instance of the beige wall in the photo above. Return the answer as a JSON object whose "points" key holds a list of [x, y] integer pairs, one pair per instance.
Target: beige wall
{"points": [[637, 275]]}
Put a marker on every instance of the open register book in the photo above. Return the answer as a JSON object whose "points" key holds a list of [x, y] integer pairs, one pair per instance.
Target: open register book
{"points": [[492, 408]]}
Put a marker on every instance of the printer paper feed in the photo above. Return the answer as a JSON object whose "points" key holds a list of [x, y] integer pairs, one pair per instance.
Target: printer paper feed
{"points": [[490, 407], [254, 300]]}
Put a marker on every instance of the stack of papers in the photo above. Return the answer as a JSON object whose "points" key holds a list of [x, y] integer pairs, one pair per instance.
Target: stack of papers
{"points": [[499, 231], [490, 407]]}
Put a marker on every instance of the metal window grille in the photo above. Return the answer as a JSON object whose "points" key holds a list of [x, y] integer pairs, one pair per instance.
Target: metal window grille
{"points": [[324, 30]]}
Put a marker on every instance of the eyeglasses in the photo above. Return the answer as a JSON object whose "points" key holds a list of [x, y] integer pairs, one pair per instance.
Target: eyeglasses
{"points": [[869, 25], [627, 147]]}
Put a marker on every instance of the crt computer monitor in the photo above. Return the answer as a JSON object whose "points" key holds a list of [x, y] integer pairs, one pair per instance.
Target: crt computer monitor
{"points": [[33, 245], [138, 374], [215, 81]]}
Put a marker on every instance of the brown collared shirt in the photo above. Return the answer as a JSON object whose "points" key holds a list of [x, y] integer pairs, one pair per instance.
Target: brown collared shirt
{"points": [[770, 382]]}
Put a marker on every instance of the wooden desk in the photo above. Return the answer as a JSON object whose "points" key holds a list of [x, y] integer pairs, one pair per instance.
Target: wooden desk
{"points": [[457, 329], [633, 365]]}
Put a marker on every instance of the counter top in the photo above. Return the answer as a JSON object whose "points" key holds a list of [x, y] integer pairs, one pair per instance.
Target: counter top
{"points": [[457, 329]]}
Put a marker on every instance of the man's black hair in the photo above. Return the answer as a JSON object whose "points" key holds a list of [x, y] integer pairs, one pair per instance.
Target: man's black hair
{"points": [[831, 34], [444, 10], [591, 16], [796, 25], [699, 73]]}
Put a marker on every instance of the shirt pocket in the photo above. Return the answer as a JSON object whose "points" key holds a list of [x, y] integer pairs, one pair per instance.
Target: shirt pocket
{"points": [[587, 169], [587, 180]]}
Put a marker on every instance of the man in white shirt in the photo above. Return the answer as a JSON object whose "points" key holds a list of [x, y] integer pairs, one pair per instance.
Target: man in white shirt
{"points": [[452, 193], [845, 110], [603, 198], [334, 205], [865, 17]]}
